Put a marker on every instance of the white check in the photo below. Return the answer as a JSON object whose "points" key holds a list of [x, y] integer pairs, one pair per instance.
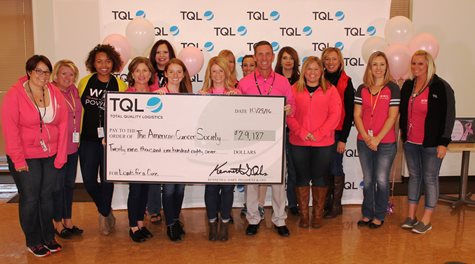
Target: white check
{"points": [[194, 138]]}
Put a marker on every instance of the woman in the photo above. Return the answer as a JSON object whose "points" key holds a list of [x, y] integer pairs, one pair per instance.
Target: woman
{"points": [[218, 198], [376, 111], [140, 79], [248, 64], [178, 81], [427, 120], [64, 76], [35, 127], [160, 54], [288, 65], [336, 75], [101, 62], [229, 56], [312, 135]]}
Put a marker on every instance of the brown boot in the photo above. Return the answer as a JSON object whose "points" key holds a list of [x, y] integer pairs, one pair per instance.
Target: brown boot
{"points": [[336, 208], [303, 197], [318, 195]]}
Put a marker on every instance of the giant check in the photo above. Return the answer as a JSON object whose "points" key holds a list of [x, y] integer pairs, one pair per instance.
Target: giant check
{"points": [[194, 138]]}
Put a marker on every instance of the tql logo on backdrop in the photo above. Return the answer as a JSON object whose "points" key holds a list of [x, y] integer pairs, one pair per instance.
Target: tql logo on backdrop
{"points": [[327, 16], [127, 15], [162, 31], [255, 15], [359, 31], [295, 31], [190, 15], [230, 31]]}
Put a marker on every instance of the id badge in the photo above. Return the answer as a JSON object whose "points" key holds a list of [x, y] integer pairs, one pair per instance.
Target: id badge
{"points": [[43, 145], [100, 132], [370, 132], [75, 137]]}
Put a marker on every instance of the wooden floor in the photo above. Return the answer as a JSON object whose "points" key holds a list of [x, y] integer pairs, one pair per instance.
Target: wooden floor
{"points": [[340, 240]]}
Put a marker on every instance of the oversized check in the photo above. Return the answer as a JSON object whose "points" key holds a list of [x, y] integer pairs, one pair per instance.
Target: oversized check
{"points": [[194, 138]]}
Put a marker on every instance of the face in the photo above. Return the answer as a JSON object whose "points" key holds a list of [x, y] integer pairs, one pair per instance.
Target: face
{"points": [[40, 75], [287, 61], [231, 62], [141, 74], [312, 73], [162, 56], [103, 64], [264, 57], [419, 66], [174, 74], [64, 77], [331, 62], [248, 66], [378, 67], [217, 75]]}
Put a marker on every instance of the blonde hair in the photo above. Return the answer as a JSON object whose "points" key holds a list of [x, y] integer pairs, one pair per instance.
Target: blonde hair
{"points": [[338, 53], [301, 83], [225, 53], [430, 65], [368, 79], [65, 63], [223, 64]]}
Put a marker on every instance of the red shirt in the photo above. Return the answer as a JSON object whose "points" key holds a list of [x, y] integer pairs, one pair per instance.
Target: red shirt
{"points": [[417, 112]]}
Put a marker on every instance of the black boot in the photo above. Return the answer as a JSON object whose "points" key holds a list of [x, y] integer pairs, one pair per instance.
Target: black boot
{"points": [[336, 208], [173, 233], [213, 231]]}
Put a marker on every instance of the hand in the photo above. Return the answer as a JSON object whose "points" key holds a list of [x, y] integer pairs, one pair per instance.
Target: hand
{"points": [[287, 109], [201, 92], [231, 92], [340, 147], [104, 142], [161, 91], [23, 169], [441, 151], [310, 137]]}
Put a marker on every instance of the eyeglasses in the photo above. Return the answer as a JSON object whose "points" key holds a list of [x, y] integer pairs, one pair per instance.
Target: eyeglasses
{"points": [[41, 72]]}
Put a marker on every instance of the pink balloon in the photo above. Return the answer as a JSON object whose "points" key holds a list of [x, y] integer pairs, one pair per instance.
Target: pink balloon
{"points": [[193, 59], [121, 45], [399, 60], [424, 41]]}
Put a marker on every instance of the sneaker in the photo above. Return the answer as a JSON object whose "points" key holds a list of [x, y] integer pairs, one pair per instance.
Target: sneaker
{"points": [[39, 251], [261, 212], [409, 223], [53, 246], [420, 228]]}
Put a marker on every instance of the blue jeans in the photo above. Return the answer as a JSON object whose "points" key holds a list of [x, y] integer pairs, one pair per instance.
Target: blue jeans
{"points": [[312, 164], [91, 159], [376, 167], [172, 196], [35, 189], [63, 193], [336, 167], [291, 175], [154, 201], [423, 166], [219, 198], [136, 202]]}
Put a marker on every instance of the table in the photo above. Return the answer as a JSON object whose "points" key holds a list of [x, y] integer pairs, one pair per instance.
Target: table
{"points": [[463, 197]]}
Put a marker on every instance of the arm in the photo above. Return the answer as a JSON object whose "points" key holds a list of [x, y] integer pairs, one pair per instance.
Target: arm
{"points": [[449, 121], [357, 116], [349, 105], [62, 154]]}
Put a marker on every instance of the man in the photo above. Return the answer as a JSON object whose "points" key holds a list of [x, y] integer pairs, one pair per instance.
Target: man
{"points": [[264, 81]]}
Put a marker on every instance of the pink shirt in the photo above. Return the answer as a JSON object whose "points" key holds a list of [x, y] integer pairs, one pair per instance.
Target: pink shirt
{"points": [[318, 114], [375, 109], [416, 117], [222, 91], [73, 103], [152, 88]]}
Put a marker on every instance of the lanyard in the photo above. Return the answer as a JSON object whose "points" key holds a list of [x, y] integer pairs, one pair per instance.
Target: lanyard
{"points": [[37, 107], [72, 107], [373, 107], [259, 88], [411, 105], [101, 110]]}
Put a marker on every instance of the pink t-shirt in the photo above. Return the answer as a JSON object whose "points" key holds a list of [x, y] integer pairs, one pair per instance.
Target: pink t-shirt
{"points": [[151, 89], [416, 117], [375, 109]]}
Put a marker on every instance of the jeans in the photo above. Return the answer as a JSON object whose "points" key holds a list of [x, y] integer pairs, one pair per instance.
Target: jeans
{"points": [[219, 198], [336, 167], [136, 202], [312, 164], [35, 189], [63, 192], [91, 159], [291, 175], [423, 166], [172, 195], [376, 167], [154, 201]]}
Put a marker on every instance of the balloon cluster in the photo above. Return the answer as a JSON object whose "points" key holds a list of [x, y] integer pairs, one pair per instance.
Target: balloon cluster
{"points": [[139, 38], [399, 43]]}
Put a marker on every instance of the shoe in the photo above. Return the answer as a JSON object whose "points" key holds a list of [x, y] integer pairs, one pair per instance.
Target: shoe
{"points": [[294, 210], [244, 210], [75, 230], [223, 231], [136, 236], [231, 220], [261, 211], [335, 207], [104, 225], [179, 227], [213, 231], [53, 246], [374, 226], [282, 230], [420, 228], [156, 219], [39, 251], [64, 234], [364, 223], [252, 229], [173, 233], [111, 221], [145, 232], [409, 223]]}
